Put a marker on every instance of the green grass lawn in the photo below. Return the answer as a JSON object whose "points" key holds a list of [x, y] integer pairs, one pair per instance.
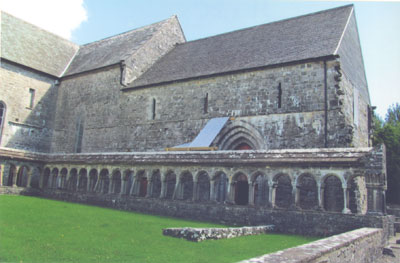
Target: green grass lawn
{"points": [[40, 230]]}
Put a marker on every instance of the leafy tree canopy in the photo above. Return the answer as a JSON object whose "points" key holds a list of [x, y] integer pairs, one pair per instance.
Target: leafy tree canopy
{"points": [[388, 132]]}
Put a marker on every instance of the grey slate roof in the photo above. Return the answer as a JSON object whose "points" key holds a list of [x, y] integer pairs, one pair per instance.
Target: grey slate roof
{"points": [[26, 44], [111, 50], [304, 37]]}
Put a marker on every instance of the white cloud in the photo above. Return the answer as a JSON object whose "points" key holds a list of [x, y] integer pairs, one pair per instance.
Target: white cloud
{"points": [[60, 17]]}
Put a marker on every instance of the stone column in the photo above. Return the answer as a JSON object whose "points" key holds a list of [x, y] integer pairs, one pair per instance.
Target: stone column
{"points": [[346, 209], [97, 184], [122, 185], [230, 198], [251, 192], [29, 174], [134, 186], [178, 189], [149, 188], [295, 195], [15, 176], [320, 196], [163, 188], [212, 191], [77, 183], [195, 191], [271, 193]]}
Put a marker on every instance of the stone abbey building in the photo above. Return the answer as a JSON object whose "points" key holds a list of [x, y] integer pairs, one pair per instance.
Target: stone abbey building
{"points": [[266, 124]]}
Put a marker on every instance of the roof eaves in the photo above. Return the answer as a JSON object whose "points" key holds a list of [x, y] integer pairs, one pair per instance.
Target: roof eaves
{"points": [[28, 68], [92, 70]]}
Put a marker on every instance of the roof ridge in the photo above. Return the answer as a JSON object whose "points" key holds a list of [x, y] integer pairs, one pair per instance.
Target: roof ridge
{"points": [[41, 29], [270, 23], [127, 32]]}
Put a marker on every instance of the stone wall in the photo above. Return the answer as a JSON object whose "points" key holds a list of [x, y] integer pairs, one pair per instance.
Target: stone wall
{"points": [[310, 223], [285, 106], [201, 234], [361, 245], [26, 126]]}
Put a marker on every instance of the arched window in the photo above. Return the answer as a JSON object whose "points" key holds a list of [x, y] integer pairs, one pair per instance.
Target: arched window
{"points": [[2, 116]]}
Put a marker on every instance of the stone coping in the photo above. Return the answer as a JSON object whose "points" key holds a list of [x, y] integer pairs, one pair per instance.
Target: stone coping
{"points": [[264, 157], [201, 234], [312, 251]]}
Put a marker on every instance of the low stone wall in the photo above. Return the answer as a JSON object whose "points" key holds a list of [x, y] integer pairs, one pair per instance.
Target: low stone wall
{"points": [[309, 223], [361, 245], [6, 190], [200, 234]]}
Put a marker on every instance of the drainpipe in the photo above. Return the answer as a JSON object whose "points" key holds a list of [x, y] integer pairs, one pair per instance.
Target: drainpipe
{"points": [[325, 105]]}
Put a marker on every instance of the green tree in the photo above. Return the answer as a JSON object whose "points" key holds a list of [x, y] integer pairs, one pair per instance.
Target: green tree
{"points": [[388, 132]]}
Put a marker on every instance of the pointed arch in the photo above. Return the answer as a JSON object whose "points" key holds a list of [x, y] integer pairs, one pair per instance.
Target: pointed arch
{"points": [[22, 176], [239, 135]]}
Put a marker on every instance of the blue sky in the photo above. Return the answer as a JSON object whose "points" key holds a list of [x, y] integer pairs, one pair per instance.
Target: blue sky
{"points": [[378, 24]]}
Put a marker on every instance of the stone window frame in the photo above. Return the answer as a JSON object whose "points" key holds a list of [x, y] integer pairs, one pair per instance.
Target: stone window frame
{"points": [[79, 130], [205, 105], [31, 98], [279, 97]]}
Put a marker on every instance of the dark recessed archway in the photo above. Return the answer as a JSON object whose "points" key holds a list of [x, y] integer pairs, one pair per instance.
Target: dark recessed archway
{"points": [[243, 146], [241, 190]]}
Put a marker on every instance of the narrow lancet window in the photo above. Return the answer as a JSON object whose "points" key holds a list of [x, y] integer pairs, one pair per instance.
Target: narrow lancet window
{"points": [[153, 110], [205, 106], [79, 134], [32, 98], [279, 96]]}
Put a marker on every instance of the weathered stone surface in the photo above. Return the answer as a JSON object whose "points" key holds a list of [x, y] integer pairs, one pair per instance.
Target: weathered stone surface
{"points": [[179, 113], [201, 234], [361, 245], [25, 127]]}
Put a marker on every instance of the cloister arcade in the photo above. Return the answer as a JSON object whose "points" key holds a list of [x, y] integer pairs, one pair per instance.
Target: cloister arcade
{"points": [[305, 190], [291, 180]]}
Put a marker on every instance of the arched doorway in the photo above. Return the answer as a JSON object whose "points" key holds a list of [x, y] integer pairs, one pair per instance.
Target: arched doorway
{"points": [[283, 192], [11, 174], [241, 190], [308, 192], [22, 176], [333, 194], [203, 184], [220, 187]]}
